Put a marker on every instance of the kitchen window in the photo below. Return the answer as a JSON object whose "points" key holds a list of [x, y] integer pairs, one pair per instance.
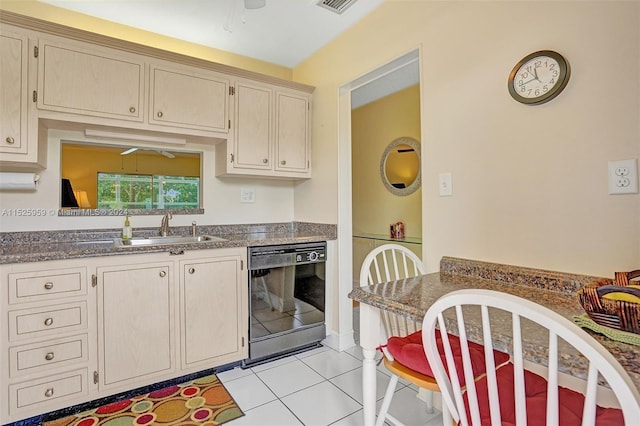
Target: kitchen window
{"points": [[139, 191]]}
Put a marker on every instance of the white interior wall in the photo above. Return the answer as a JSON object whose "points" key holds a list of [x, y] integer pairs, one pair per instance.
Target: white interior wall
{"points": [[220, 198]]}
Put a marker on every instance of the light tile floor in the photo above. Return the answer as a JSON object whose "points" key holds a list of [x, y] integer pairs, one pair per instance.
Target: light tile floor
{"points": [[316, 388]]}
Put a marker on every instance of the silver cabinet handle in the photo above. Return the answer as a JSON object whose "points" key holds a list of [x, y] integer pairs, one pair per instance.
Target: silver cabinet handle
{"points": [[163, 274], [48, 393], [159, 114], [192, 270], [49, 356], [48, 322], [283, 162], [265, 160], [10, 140], [48, 285], [132, 110]]}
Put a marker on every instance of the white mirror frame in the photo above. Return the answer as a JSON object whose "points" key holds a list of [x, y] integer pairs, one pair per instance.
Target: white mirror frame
{"points": [[404, 140]]}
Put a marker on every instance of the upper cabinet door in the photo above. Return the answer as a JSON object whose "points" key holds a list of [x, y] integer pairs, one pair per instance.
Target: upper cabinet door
{"points": [[18, 113], [292, 132], [13, 92], [91, 81], [184, 98], [253, 135]]}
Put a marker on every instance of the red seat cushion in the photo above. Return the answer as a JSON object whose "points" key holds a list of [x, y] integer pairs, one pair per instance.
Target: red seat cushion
{"points": [[409, 352], [570, 402]]}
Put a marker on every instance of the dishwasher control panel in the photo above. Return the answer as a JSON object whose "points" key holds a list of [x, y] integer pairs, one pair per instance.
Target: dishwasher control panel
{"points": [[286, 255]]}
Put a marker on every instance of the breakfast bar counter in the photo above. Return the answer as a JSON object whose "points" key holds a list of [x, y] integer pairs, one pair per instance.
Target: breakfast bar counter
{"points": [[413, 297]]}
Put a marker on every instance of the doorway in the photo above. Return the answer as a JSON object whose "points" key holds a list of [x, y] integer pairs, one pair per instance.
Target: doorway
{"points": [[369, 86]]}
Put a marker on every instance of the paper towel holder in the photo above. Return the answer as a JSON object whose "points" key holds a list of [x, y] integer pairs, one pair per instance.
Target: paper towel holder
{"points": [[18, 181]]}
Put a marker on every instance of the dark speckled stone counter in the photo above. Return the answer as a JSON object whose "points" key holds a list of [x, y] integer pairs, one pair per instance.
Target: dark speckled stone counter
{"points": [[556, 291], [20, 247]]}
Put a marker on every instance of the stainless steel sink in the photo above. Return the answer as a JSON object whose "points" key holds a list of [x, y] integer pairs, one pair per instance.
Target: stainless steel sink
{"points": [[154, 241]]}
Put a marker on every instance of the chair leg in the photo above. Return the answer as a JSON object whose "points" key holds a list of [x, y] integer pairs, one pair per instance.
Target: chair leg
{"points": [[446, 415], [426, 396], [386, 402], [429, 401]]}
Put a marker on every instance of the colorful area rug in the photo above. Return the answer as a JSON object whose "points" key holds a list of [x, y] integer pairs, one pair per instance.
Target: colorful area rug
{"points": [[199, 402]]}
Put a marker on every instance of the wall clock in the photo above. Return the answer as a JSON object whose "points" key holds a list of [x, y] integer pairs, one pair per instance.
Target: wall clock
{"points": [[539, 77]]}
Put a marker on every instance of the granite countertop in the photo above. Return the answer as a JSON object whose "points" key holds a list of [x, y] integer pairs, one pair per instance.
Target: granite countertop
{"points": [[412, 297], [20, 247]]}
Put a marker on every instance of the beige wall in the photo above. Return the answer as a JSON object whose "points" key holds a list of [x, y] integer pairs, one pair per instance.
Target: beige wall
{"points": [[529, 182], [374, 126]]}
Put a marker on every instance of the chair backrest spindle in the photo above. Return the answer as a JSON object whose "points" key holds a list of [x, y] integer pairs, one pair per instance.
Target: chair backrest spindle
{"points": [[385, 264], [528, 321]]}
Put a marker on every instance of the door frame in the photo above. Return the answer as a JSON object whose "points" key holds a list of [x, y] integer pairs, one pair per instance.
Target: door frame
{"points": [[345, 207]]}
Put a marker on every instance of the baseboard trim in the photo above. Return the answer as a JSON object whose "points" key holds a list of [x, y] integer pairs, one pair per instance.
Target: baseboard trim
{"points": [[339, 342]]}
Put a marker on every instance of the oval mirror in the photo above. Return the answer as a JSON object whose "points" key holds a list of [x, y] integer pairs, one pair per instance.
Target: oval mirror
{"points": [[400, 166]]}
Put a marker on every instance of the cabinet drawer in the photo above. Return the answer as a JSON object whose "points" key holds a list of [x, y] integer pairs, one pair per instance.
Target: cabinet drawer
{"points": [[33, 286], [32, 358], [47, 320], [28, 395]]}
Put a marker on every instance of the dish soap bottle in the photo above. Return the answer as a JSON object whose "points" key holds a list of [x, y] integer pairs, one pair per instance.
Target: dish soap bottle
{"points": [[127, 232]]}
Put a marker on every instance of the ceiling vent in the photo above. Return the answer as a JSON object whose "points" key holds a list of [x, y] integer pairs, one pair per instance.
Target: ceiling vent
{"points": [[337, 6]]}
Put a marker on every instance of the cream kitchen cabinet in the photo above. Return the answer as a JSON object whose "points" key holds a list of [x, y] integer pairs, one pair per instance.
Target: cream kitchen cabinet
{"points": [[213, 309], [190, 98], [81, 329], [105, 86], [46, 352], [90, 80], [136, 338], [292, 133], [270, 133], [253, 135], [18, 120]]}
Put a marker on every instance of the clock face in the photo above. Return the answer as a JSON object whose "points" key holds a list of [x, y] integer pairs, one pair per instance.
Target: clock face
{"points": [[538, 77]]}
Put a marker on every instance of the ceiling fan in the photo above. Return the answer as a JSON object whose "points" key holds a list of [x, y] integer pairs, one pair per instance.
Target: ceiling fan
{"points": [[159, 151]]}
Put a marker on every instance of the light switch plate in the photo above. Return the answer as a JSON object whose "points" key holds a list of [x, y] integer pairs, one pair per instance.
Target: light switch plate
{"points": [[623, 176], [444, 184], [247, 195]]}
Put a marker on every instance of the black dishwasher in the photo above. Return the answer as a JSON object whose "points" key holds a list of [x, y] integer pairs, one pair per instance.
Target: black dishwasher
{"points": [[286, 299]]}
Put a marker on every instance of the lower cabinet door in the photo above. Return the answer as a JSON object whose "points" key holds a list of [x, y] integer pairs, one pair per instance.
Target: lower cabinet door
{"points": [[210, 297], [135, 324]]}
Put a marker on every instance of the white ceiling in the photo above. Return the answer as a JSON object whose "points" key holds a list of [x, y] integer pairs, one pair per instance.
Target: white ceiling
{"points": [[284, 32]]}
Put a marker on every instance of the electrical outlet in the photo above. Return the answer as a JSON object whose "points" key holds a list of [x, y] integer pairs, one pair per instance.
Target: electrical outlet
{"points": [[623, 177], [247, 195]]}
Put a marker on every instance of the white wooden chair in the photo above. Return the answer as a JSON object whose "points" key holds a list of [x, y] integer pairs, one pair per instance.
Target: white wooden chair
{"points": [[391, 262], [471, 314]]}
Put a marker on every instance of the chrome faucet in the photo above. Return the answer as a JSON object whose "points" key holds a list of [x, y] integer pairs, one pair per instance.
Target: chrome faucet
{"points": [[164, 225]]}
